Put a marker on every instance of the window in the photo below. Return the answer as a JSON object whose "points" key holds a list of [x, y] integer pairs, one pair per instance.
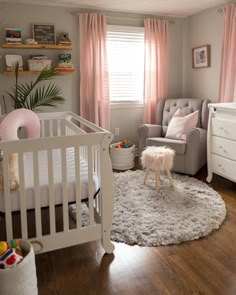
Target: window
{"points": [[125, 50]]}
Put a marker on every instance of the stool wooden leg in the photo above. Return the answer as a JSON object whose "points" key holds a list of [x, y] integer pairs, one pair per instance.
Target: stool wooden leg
{"points": [[158, 172], [146, 174], [170, 177]]}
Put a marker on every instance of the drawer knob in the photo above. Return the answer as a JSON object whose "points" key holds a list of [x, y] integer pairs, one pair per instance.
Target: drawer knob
{"points": [[220, 165], [220, 147], [222, 129]]}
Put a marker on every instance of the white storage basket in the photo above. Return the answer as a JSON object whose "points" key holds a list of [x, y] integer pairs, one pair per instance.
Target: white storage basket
{"points": [[20, 280], [38, 65], [122, 158]]}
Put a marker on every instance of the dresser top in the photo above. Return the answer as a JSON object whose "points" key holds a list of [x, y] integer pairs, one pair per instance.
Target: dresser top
{"points": [[226, 106]]}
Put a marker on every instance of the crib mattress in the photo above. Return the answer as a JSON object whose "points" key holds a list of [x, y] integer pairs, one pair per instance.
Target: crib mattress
{"points": [[43, 180]]}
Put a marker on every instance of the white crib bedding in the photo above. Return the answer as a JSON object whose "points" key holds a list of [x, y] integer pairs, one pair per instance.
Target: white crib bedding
{"points": [[43, 180]]}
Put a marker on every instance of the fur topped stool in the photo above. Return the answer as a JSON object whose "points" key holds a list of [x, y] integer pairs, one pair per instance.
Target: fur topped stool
{"points": [[158, 159]]}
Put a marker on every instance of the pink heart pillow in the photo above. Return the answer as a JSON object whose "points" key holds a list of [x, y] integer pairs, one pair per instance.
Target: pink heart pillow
{"points": [[180, 124]]}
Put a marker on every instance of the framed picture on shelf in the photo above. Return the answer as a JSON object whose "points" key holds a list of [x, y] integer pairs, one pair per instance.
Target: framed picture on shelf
{"points": [[13, 36], [201, 57], [44, 33]]}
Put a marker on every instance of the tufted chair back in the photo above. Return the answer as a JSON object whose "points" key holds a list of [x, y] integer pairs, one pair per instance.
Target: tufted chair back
{"points": [[167, 107]]}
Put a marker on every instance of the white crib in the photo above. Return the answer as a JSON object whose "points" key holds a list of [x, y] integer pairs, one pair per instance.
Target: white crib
{"points": [[63, 140]]}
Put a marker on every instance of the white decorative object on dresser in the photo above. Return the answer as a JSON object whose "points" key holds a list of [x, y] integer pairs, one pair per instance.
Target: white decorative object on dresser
{"points": [[221, 141]]}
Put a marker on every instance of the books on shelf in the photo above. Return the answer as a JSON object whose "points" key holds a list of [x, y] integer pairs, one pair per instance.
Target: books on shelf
{"points": [[13, 36], [64, 63], [39, 57], [12, 60], [64, 39]]}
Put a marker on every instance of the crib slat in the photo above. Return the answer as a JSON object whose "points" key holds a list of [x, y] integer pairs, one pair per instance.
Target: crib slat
{"points": [[99, 177], [42, 128], [77, 187], [64, 189], [86, 153], [58, 127], [63, 127], [38, 218], [51, 193], [51, 128], [90, 184], [7, 197], [23, 212]]}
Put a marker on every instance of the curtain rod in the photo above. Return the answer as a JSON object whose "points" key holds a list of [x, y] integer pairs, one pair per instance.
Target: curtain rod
{"points": [[171, 21]]}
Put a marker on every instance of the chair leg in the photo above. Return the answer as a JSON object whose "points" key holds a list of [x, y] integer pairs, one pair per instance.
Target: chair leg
{"points": [[170, 177], [158, 172], [146, 175]]}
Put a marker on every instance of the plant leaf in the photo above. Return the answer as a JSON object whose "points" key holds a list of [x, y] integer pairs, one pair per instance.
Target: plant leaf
{"points": [[46, 96], [31, 95]]}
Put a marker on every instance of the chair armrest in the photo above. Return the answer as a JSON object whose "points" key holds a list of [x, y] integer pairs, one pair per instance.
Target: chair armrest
{"points": [[196, 150], [196, 136], [146, 131], [149, 130]]}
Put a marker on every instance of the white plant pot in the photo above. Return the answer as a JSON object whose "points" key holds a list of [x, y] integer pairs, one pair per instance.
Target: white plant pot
{"points": [[122, 158]]}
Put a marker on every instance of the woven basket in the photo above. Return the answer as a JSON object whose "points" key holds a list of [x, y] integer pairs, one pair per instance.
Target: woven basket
{"points": [[122, 159], [20, 280], [38, 65]]}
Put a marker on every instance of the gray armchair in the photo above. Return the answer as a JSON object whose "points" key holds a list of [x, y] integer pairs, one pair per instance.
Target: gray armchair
{"points": [[191, 154]]}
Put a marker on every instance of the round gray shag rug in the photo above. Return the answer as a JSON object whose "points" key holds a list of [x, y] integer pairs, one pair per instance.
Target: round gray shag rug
{"points": [[145, 217]]}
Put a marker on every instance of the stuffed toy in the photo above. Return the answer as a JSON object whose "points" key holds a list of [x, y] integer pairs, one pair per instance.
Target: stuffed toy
{"points": [[13, 172], [9, 127]]}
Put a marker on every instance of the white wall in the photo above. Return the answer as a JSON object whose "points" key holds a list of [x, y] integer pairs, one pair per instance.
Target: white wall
{"points": [[201, 29], [23, 16]]}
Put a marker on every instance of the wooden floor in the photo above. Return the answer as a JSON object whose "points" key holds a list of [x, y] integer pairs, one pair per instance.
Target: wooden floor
{"points": [[206, 266]]}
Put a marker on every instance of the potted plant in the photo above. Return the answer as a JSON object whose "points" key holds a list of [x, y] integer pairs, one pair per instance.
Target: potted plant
{"points": [[33, 95]]}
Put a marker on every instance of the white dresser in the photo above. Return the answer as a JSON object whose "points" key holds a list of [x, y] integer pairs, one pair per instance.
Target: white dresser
{"points": [[221, 141]]}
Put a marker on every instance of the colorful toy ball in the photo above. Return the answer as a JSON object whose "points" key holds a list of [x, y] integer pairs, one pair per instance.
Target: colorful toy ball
{"points": [[3, 247], [10, 258], [124, 144], [14, 244]]}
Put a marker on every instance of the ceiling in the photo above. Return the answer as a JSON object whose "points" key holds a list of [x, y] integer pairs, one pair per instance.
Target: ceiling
{"points": [[154, 7]]}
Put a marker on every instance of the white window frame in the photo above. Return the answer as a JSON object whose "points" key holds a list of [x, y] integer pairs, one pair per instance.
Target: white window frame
{"points": [[129, 30]]}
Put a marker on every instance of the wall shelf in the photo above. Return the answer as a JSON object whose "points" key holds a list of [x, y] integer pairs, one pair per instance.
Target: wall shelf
{"points": [[34, 72], [38, 46]]}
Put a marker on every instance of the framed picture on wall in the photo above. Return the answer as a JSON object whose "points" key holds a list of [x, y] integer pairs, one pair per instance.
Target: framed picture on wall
{"points": [[201, 57], [44, 33]]}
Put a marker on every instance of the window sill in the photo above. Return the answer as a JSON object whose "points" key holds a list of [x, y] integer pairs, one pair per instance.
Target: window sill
{"points": [[128, 105]]}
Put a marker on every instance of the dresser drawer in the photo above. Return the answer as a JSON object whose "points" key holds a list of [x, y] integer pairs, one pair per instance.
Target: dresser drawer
{"points": [[224, 147], [224, 167], [224, 128]]}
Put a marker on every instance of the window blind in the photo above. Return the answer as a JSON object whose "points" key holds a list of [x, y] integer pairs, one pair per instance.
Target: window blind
{"points": [[125, 50]]}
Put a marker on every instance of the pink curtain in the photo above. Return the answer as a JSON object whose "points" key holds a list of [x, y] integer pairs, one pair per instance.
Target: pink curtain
{"points": [[94, 91], [228, 56], [156, 66]]}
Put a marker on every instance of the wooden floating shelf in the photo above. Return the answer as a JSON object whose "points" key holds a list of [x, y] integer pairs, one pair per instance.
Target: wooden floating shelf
{"points": [[38, 46], [34, 72]]}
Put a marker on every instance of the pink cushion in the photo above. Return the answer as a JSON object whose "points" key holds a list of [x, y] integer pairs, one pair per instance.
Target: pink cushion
{"points": [[180, 124], [19, 118]]}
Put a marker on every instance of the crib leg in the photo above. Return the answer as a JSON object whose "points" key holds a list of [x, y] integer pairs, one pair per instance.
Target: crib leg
{"points": [[107, 199], [107, 214], [108, 245]]}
